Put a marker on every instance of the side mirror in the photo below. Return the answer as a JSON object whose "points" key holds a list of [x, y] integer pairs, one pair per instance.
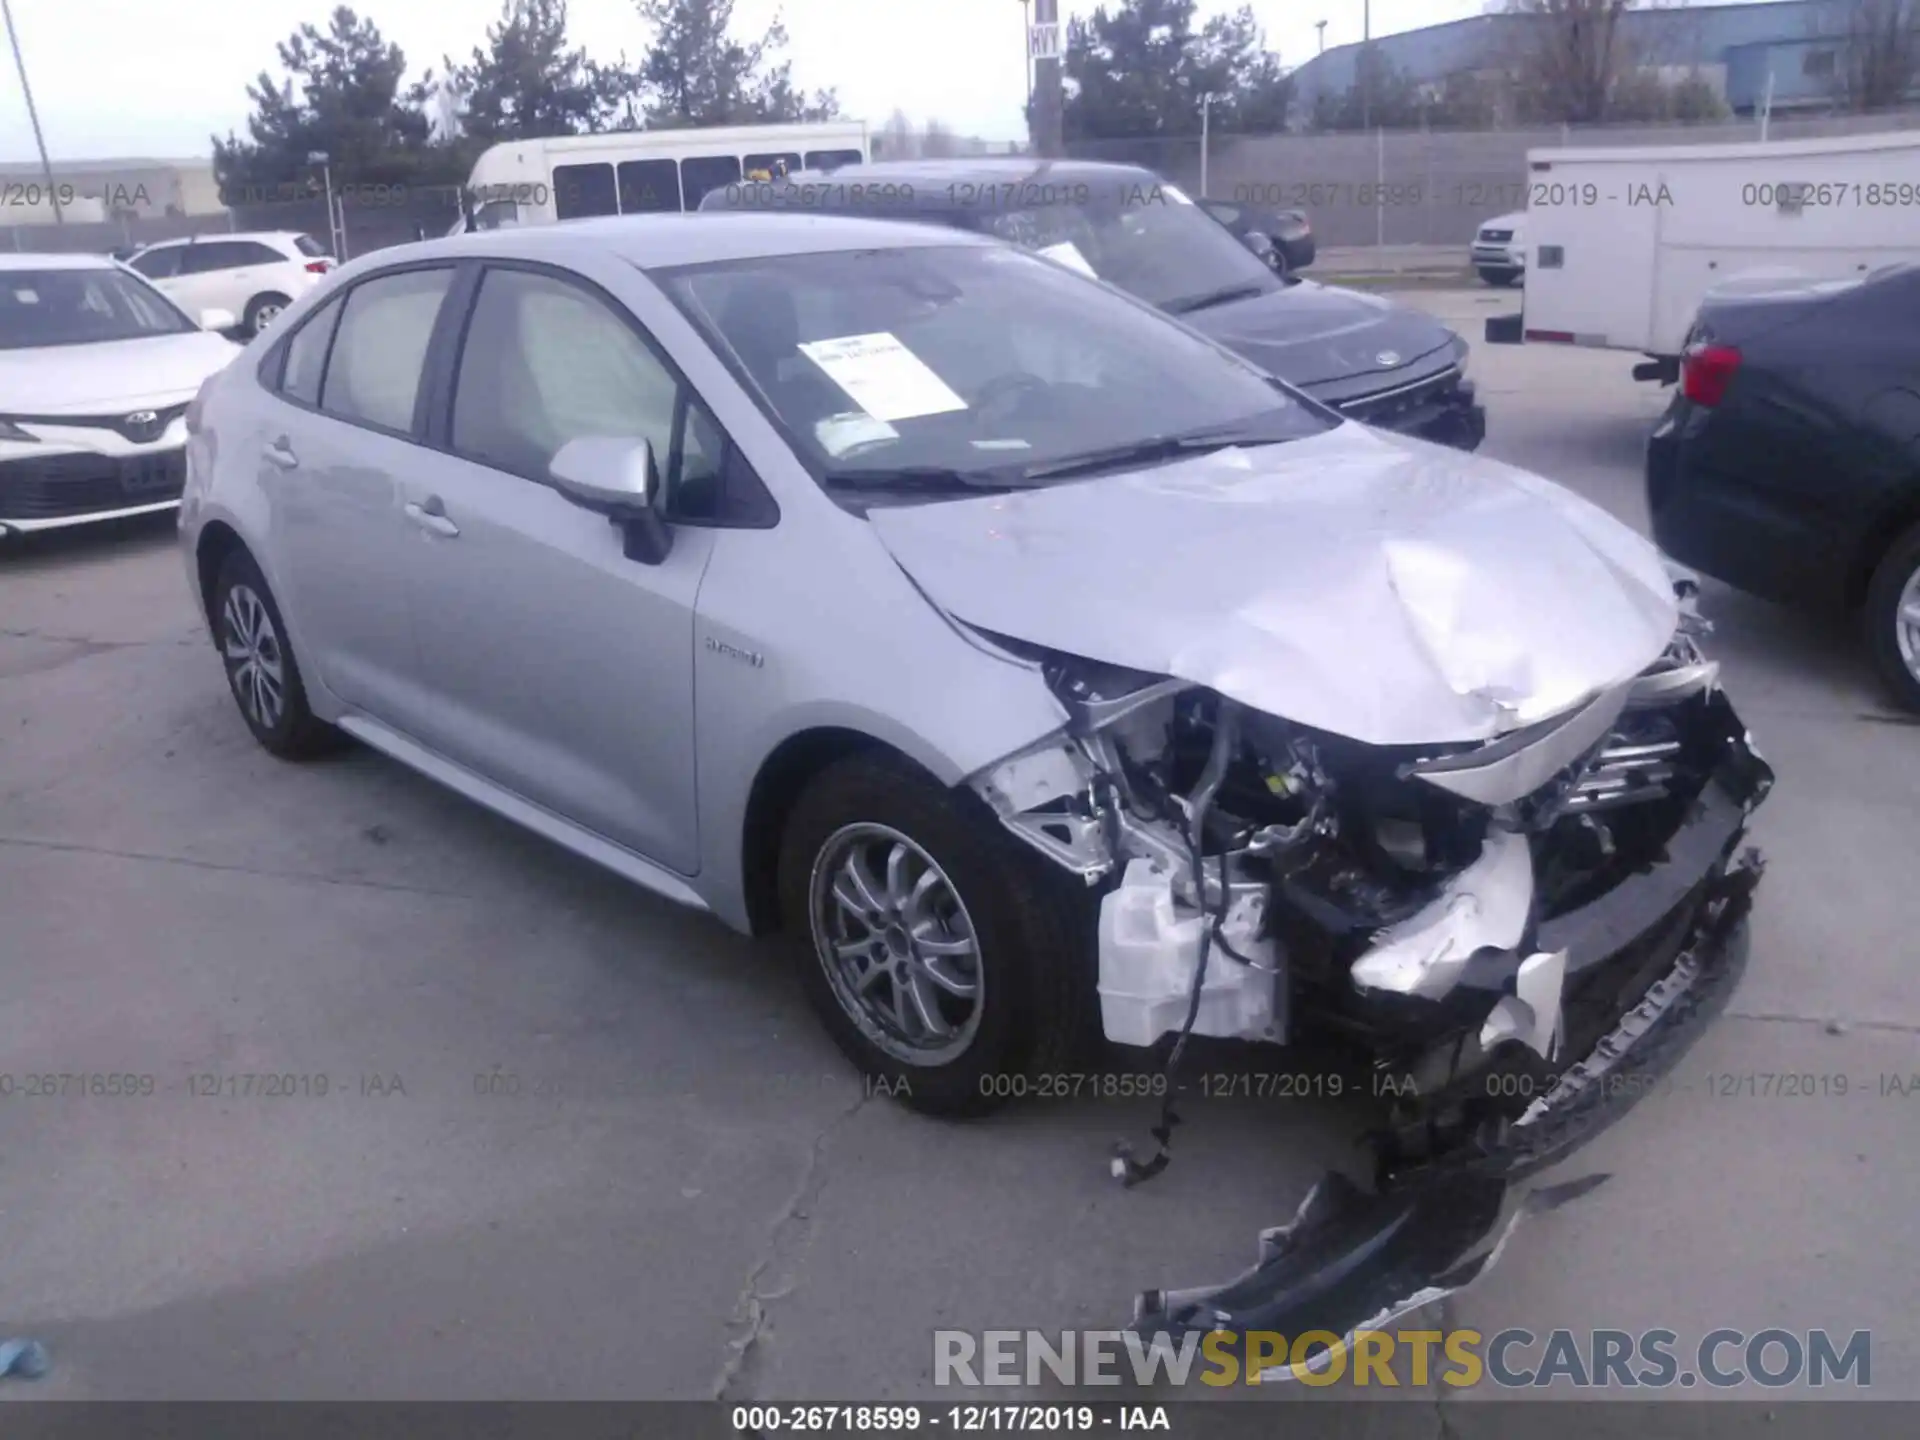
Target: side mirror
{"points": [[218, 320], [1261, 244], [615, 476]]}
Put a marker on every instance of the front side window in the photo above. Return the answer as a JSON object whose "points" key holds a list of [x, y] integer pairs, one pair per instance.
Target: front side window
{"points": [[775, 165], [833, 159], [971, 361], [373, 373], [1148, 239], [81, 307], [159, 264], [546, 362], [583, 190]]}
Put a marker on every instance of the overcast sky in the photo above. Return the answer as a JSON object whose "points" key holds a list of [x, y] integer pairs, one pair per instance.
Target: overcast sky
{"points": [[121, 78]]}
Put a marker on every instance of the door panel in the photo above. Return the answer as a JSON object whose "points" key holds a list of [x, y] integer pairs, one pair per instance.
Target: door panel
{"points": [[334, 482], [558, 667]]}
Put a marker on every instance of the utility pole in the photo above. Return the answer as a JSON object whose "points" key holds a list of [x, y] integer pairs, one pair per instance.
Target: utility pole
{"points": [[1026, 54], [1366, 64], [1044, 44], [1321, 26], [39, 140]]}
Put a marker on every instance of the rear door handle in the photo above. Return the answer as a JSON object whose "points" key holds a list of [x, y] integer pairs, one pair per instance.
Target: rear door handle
{"points": [[431, 514], [280, 453]]}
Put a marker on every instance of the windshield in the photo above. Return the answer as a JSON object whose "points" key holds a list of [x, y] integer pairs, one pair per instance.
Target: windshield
{"points": [[971, 364], [1148, 239], [81, 307]]}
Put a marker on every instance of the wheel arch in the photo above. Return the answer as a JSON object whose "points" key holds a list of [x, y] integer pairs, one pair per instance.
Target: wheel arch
{"points": [[787, 771], [1879, 539], [217, 541]]}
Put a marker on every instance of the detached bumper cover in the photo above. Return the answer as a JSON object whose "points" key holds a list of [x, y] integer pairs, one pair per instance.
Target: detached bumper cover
{"points": [[1351, 1261]]}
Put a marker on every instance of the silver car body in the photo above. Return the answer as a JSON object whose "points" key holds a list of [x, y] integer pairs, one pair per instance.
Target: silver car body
{"points": [[489, 632]]}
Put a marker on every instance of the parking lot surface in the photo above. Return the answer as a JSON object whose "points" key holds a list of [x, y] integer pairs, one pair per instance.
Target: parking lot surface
{"points": [[574, 1142]]}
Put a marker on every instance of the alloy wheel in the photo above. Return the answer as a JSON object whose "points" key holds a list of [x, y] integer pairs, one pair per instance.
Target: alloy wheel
{"points": [[256, 663], [1906, 624], [897, 944]]}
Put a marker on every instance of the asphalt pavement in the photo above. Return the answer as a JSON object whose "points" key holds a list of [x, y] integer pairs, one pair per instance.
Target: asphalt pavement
{"points": [[574, 1142]]}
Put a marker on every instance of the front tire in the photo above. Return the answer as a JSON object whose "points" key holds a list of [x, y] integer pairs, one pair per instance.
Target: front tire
{"points": [[1499, 278], [948, 963], [262, 311], [1893, 619], [261, 669]]}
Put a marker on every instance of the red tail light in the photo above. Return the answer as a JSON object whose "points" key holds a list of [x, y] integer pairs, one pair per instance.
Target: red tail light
{"points": [[1706, 371], [319, 267]]}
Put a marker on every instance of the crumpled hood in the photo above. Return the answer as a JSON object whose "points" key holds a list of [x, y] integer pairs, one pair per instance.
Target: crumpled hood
{"points": [[1366, 584], [1310, 334], [112, 375]]}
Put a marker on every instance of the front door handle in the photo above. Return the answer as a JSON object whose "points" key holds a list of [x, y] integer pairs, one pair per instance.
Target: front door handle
{"points": [[431, 514], [279, 452]]}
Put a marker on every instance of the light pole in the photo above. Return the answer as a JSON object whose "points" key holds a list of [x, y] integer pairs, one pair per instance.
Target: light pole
{"points": [[1321, 26], [1366, 72], [1046, 80], [39, 140]]}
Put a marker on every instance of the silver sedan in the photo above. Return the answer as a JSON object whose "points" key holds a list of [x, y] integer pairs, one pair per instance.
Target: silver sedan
{"points": [[1044, 668]]}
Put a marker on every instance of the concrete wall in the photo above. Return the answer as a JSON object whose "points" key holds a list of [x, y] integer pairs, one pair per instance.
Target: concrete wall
{"points": [[1418, 188]]}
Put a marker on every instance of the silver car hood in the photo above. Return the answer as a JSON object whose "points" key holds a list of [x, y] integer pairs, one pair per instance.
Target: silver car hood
{"points": [[1365, 584]]}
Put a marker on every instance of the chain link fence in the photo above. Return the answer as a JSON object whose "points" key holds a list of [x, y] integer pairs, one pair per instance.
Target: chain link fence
{"points": [[370, 217], [1419, 187]]}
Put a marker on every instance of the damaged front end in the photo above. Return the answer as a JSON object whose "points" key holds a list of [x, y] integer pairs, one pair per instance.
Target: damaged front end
{"points": [[1516, 937]]}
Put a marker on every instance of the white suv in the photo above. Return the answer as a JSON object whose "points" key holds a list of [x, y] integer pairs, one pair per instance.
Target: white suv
{"points": [[255, 275], [1499, 250]]}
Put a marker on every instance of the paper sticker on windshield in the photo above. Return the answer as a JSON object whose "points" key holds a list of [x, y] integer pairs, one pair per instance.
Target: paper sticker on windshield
{"points": [[1175, 194], [26, 297], [885, 379], [839, 434], [1068, 254]]}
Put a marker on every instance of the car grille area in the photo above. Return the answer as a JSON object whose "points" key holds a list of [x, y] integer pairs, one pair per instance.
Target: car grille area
{"points": [[1496, 236], [58, 487], [1396, 408]]}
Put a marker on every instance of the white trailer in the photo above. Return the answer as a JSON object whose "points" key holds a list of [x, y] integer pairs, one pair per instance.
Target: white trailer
{"points": [[626, 172], [1623, 243]]}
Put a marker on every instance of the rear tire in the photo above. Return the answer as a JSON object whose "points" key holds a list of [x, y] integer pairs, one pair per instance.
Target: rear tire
{"points": [[877, 830], [262, 672], [1893, 620], [1499, 278]]}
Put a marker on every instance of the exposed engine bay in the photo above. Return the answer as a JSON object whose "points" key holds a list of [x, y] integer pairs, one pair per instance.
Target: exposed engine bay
{"points": [[1456, 913]]}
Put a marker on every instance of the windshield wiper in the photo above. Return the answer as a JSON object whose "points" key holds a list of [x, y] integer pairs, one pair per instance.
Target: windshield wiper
{"points": [[1212, 298], [921, 479], [1149, 452]]}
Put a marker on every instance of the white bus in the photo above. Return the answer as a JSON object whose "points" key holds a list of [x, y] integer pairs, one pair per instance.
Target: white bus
{"points": [[629, 172]]}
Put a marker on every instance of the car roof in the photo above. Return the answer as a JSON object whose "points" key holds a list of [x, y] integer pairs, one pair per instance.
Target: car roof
{"points": [[11, 260], [224, 235], [663, 241], [928, 179]]}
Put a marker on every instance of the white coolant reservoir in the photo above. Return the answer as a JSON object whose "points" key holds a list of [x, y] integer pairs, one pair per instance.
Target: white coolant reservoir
{"points": [[1150, 948]]}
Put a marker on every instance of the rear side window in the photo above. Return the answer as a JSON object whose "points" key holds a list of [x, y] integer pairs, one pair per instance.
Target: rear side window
{"points": [[583, 190], [829, 159], [307, 355], [214, 255], [252, 252], [647, 186], [707, 172], [373, 375]]}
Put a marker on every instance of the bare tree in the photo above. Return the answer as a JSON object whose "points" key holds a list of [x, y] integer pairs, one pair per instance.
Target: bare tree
{"points": [[937, 142], [1879, 55], [1565, 57], [896, 140]]}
